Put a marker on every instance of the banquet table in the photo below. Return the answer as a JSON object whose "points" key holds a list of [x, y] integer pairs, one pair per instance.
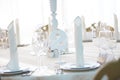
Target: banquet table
{"points": [[27, 59]]}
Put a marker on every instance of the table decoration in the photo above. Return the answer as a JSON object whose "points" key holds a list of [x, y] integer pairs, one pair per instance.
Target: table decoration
{"points": [[3, 38], [106, 42], [78, 42], [57, 37], [80, 64], [13, 64], [40, 46], [58, 43], [106, 47], [58, 40], [12, 68]]}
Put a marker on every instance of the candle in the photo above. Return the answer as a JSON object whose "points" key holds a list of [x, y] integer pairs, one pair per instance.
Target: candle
{"points": [[78, 42], [53, 6]]}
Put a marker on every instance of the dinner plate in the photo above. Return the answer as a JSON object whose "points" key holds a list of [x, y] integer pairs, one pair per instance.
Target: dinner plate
{"points": [[74, 68], [11, 73]]}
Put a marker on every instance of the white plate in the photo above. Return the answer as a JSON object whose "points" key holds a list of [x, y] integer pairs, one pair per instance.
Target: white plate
{"points": [[74, 68], [11, 73]]}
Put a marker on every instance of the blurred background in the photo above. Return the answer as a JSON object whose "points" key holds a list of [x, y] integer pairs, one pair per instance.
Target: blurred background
{"points": [[32, 13]]}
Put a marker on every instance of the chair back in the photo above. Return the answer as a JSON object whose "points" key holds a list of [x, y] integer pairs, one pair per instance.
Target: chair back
{"points": [[111, 70]]}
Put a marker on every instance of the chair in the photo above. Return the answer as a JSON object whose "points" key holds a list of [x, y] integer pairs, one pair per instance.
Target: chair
{"points": [[111, 70], [86, 35]]}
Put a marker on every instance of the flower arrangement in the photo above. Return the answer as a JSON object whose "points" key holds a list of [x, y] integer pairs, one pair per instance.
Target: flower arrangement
{"points": [[43, 28], [93, 26]]}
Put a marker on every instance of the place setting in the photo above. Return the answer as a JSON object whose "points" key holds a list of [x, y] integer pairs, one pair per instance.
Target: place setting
{"points": [[12, 67], [80, 64]]}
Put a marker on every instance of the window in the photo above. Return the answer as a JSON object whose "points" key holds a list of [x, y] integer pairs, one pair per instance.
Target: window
{"points": [[34, 12]]}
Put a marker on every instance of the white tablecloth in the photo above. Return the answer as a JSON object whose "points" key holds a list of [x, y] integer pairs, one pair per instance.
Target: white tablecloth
{"points": [[28, 60], [69, 76]]}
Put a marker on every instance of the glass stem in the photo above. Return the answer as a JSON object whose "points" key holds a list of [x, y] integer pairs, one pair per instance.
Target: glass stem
{"points": [[38, 62]]}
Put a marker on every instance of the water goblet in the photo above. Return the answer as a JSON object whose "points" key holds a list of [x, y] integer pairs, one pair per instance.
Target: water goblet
{"points": [[59, 62], [39, 44], [106, 45]]}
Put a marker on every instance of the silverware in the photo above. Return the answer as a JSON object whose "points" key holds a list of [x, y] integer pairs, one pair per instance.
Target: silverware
{"points": [[30, 73]]}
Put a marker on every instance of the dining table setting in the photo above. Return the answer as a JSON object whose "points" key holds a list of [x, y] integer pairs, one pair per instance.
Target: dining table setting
{"points": [[48, 57], [19, 63], [27, 61], [28, 64], [82, 61]]}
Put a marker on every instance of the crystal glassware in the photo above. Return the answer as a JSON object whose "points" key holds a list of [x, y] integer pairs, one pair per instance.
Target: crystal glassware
{"points": [[40, 45], [106, 45]]}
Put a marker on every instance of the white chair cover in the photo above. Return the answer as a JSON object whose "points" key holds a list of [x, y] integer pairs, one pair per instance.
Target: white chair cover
{"points": [[83, 28], [86, 36], [17, 31], [116, 27]]}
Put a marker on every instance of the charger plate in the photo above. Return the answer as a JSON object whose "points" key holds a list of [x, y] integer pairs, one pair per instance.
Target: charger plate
{"points": [[73, 68], [11, 73]]}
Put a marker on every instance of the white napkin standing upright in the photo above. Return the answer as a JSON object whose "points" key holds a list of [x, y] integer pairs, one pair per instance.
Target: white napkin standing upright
{"points": [[78, 42], [13, 64]]}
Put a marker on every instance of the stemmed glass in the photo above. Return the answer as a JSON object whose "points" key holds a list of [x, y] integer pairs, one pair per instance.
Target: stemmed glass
{"points": [[59, 51], [113, 43], [57, 43], [106, 45], [3, 39], [40, 45], [106, 42], [59, 61]]}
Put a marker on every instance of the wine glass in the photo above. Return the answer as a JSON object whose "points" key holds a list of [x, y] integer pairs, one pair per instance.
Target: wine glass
{"points": [[59, 62], [60, 51], [39, 44], [3, 39], [112, 43], [106, 46]]}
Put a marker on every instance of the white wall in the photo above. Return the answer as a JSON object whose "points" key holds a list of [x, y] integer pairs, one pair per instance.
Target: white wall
{"points": [[34, 12]]}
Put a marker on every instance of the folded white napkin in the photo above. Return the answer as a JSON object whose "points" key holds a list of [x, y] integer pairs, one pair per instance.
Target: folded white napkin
{"points": [[13, 63], [78, 42]]}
